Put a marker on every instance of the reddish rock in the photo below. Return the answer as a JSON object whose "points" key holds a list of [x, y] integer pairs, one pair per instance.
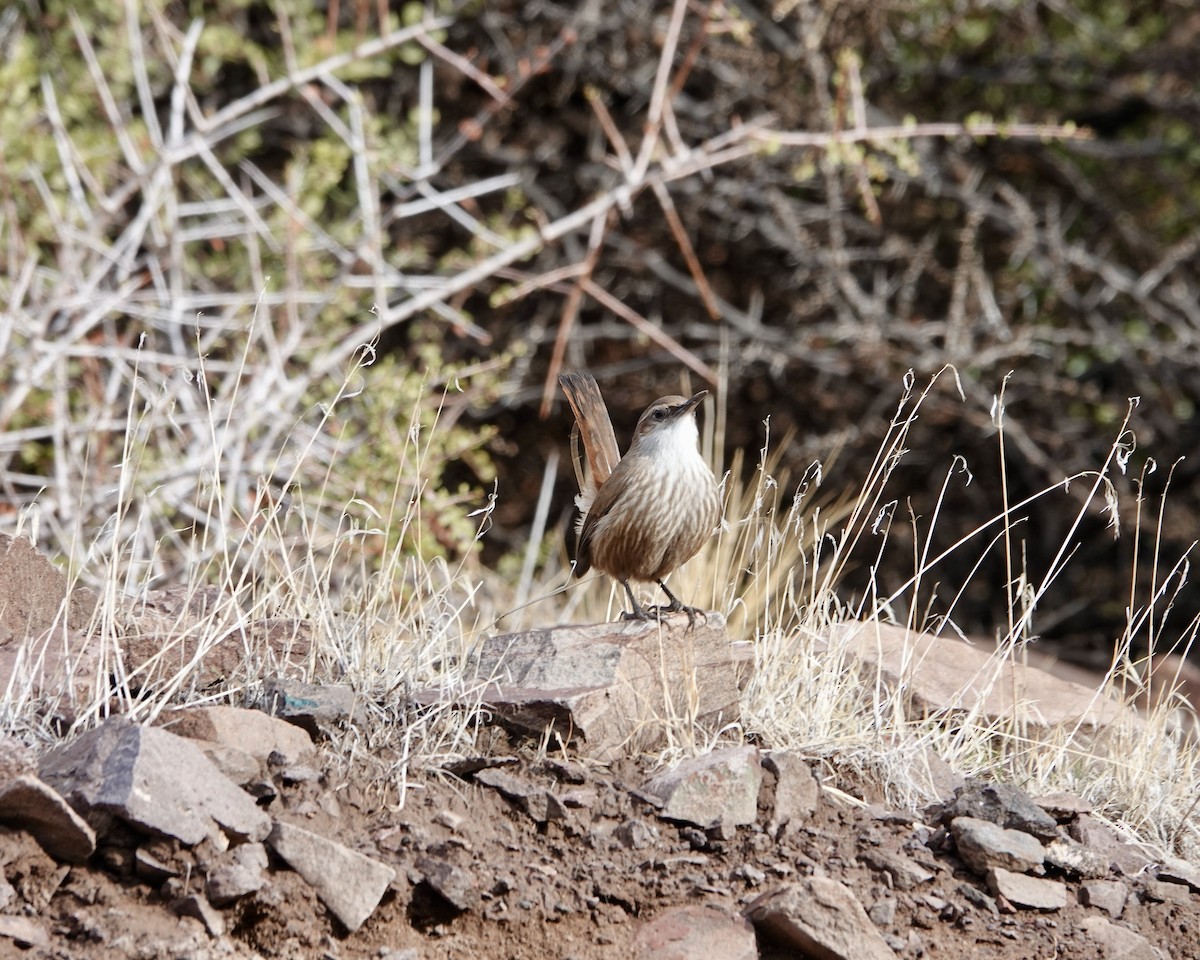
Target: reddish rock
{"points": [[695, 933]]}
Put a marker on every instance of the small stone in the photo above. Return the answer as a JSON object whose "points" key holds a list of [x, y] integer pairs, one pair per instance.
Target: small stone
{"points": [[30, 805], [451, 883], [1162, 891], [796, 792], [1118, 943], [1030, 893], [1063, 806], [310, 706], [820, 917], [450, 820], [536, 801], [694, 932], [635, 834], [196, 906], [717, 787], [983, 844], [905, 874], [250, 731], [1174, 870], [150, 868], [978, 898], [1106, 895], [237, 765], [244, 873], [25, 932], [348, 883], [1129, 859], [883, 912]]}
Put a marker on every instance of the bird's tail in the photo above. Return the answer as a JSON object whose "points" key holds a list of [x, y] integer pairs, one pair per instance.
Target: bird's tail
{"points": [[593, 426]]}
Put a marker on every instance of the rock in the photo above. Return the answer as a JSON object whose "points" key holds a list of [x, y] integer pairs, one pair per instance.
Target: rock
{"points": [[820, 918], [311, 706], [150, 868], [635, 834], [244, 872], [796, 792], [251, 731], [1030, 893], [16, 759], [1161, 891], [1174, 870], [982, 845], [451, 883], [613, 688], [152, 780], [934, 776], [349, 883], [30, 805], [1076, 859], [1063, 806], [1002, 804], [904, 873], [1129, 859], [25, 932], [716, 788], [196, 906], [538, 802], [695, 933], [1106, 895], [1119, 943], [237, 765], [944, 674], [34, 595]]}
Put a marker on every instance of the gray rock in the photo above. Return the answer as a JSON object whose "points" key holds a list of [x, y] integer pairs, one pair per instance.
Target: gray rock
{"points": [[16, 759], [716, 788], [243, 872], [33, 593], [635, 834], [237, 765], [349, 883], [904, 873], [251, 731], [150, 868], [1063, 806], [537, 801], [796, 792], [695, 933], [1002, 804], [30, 805], [1163, 891], [1106, 895], [312, 706], [154, 781], [1074, 858], [451, 883], [25, 932], [609, 689], [1130, 859], [1119, 943], [194, 905], [982, 845], [1174, 870], [820, 918], [1029, 893]]}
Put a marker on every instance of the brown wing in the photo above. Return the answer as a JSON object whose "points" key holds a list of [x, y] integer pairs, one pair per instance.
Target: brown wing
{"points": [[606, 498]]}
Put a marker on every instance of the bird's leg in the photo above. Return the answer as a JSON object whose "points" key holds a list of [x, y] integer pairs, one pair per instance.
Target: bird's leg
{"points": [[639, 612], [676, 605]]}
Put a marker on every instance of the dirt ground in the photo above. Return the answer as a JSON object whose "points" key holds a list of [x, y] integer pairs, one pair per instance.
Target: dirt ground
{"points": [[576, 887]]}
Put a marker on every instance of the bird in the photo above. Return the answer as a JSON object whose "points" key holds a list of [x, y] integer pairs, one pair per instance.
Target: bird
{"points": [[649, 512]]}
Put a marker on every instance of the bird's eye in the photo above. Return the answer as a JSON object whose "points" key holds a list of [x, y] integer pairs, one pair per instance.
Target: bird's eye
{"points": [[658, 414]]}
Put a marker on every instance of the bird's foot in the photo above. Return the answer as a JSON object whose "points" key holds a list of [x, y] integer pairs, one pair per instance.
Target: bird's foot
{"points": [[664, 610]]}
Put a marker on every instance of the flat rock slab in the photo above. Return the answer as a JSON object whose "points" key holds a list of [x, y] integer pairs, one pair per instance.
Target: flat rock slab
{"points": [[312, 706], [1119, 943], [349, 883], [152, 780], [695, 933], [1106, 895], [982, 845], [610, 688], [716, 788], [1029, 893], [30, 805], [821, 918], [538, 802], [242, 872], [251, 731], [796, 791], [944, 673]]}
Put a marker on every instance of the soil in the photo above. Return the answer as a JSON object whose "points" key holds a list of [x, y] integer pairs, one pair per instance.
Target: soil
{"points": [[573, 887]]}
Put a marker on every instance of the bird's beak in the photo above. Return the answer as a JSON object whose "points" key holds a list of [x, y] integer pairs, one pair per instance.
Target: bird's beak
{"points": [[691, 404]]}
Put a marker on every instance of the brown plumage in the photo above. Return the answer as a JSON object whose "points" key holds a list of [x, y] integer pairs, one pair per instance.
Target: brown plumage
{"points": [[649, 512]]}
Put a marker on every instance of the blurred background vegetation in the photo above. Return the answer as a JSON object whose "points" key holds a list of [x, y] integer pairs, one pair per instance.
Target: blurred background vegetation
{"points": [[280, 241]]}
